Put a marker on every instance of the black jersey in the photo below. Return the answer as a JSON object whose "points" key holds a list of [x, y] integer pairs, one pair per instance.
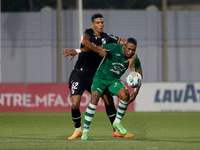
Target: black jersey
{"points": [[89, 61]]}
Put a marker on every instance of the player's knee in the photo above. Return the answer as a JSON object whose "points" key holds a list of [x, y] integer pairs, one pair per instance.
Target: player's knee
{"points": [[94, 98], [125, 96], [76, 100], [75, 106], [94, 101]]}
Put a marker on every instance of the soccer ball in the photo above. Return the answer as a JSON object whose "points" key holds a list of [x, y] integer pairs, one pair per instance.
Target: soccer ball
{"points": [[133, 79]]}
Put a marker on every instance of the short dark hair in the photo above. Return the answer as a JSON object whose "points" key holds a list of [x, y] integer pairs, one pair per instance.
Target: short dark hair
{"points": [[131, 40], [97, 15]]}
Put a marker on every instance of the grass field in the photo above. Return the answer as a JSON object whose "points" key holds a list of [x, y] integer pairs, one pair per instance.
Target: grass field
{"points": [[152, 130]]}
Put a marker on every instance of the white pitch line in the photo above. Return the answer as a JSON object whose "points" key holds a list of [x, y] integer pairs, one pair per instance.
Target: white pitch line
{"points": [[108, 141]]}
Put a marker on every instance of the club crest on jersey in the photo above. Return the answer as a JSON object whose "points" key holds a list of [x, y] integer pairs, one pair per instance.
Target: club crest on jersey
{"points": [[116, 84], [118, 55], [103, 41]]}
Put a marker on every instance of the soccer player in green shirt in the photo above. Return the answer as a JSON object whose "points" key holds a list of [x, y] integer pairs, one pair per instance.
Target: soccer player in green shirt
{"points": [[86, 65], [108, 77]]}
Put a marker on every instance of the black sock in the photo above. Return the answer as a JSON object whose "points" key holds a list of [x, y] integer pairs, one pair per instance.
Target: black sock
{"points": [[76, 117], [111, 112]]}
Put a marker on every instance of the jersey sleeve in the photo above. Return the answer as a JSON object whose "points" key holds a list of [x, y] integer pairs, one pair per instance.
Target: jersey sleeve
{"points": [[89, 32], [113, 39], [109, 46], [137, 63]]}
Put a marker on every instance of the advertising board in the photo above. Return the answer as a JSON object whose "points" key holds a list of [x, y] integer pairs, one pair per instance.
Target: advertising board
{"points": [[43, 98], [172, 96]]}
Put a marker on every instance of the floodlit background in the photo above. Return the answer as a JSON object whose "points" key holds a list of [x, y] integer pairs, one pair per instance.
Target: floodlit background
{"points": [[29, 37]]}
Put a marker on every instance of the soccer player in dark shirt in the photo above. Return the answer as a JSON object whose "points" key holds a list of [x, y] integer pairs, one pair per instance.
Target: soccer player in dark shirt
{"points": [[82, 75]]}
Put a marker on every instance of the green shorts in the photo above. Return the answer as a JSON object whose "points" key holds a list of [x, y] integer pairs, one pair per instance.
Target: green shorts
{"points": [[113, 86]]}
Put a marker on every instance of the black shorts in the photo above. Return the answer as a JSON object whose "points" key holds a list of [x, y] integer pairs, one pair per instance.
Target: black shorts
{"points": [[80, 81]]}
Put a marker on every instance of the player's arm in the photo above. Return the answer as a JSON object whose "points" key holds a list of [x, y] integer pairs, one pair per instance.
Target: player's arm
{"points": [[85, 41], [131, 61], [72, 52], [122, 41], [136, 90], [140, 71]]}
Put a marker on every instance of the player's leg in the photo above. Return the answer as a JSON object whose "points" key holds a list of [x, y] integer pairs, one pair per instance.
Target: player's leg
{"points": [[76, 116], [111, 113], [77, 88], [109, 105], [118, 88], [89, 113], [98, 87], [123, 94]]}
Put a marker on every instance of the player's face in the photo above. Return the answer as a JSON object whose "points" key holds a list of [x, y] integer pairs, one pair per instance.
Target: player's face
{"points": [[98, 25], [129, 49]]}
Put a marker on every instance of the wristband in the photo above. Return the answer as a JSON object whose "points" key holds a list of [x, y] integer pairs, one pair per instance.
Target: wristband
{"points": [[78, 51]]}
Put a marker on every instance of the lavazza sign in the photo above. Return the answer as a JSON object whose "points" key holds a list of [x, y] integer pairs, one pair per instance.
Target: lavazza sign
{"points": [[169, 97]]}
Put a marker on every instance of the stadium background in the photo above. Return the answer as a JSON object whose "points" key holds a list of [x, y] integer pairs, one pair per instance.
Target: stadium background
{"points": [[29, 49]]}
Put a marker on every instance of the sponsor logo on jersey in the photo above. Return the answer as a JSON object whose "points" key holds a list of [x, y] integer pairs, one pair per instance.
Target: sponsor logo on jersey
{"points": [[118, 68]]}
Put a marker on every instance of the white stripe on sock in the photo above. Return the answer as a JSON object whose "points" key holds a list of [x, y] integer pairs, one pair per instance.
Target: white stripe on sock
{"points": [[122, 105], [90, 111], [118, 116], [121, 111], [92, 106], [117, 120], [124, 102], [88, 118]]}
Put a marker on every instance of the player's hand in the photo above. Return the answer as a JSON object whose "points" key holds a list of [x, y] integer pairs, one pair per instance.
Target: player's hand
{"points": [[134, 94], [131, 61], [68, 51], [103, 52]]}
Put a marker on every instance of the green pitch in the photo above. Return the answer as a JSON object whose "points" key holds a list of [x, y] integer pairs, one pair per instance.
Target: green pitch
{"points": [[152, 130]]}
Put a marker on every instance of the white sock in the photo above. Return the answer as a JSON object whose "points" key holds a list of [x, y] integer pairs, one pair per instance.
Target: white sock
{"points": [[116, 130], [121, 109], [89, 114], [117, 120], [79, 129]]}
